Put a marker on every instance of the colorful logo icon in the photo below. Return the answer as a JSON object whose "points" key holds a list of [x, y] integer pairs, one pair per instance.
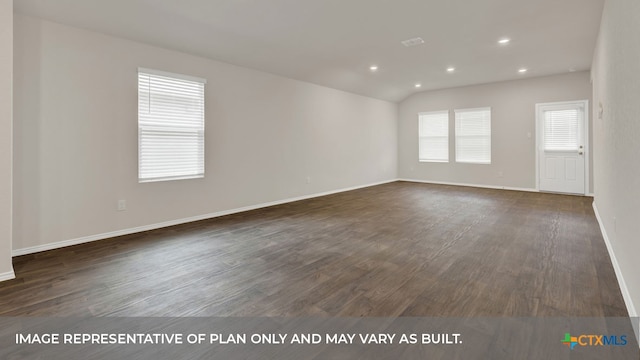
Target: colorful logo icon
{"points": [[570, 341]]}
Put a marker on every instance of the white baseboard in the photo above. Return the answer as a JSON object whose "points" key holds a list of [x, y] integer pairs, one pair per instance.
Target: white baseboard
{"points": [[90, 238], [470, 185], [7, 276], [616, 267]]}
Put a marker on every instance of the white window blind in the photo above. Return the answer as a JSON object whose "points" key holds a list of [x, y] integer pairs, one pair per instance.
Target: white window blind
{"points": [[433, 138], [170, 126], [473, 135], [561, 130]]}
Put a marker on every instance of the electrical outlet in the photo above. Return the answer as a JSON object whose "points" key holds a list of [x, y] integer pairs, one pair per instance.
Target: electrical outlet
{"points": [[122, 205], [308, 179], [500, 173]]}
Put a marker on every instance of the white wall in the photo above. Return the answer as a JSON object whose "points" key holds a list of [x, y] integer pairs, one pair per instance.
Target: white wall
{"points": [[616, 85], [512, 119], [76, 137], [6, 71]]}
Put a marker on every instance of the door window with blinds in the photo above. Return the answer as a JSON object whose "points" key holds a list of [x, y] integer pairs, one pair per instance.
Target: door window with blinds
{"points": [[170, 126], [473, 135], [433, 138], [562, 130]]}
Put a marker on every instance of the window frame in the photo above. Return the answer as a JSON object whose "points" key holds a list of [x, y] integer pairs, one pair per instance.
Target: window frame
{"points": [[458, 137], [421, 137], [169, 131]]}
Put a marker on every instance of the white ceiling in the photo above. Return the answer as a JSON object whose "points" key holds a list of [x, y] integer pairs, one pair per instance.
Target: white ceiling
{"points": [[333, 42]]}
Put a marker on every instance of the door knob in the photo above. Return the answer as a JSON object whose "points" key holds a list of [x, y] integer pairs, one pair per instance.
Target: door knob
{"points": [[579, 152]]}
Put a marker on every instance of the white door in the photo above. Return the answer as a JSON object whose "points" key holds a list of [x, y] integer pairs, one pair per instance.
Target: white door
{"points": [[562, 146]]}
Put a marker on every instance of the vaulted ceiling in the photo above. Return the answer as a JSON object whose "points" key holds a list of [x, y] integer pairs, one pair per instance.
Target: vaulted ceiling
{"points": [[335, 42]]}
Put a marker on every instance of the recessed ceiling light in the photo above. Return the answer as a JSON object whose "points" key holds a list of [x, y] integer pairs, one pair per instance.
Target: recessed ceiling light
{"points": [[504, 41], [418, 85], [451, 69], [373, 67], [523, 70]]}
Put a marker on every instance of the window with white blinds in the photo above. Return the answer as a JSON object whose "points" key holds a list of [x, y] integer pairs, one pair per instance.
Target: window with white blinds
{"points": [[561, 130], [473, 135], [170, 126], [433, 138]]}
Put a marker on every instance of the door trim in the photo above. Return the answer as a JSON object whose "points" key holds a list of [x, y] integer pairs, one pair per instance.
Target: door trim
{"points": [[585, 135]]}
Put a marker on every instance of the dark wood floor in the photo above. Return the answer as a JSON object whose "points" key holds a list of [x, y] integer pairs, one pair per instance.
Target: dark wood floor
{"points": [[400, 249]]}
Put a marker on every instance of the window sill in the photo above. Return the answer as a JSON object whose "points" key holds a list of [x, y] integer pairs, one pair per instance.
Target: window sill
{"points": [[170, 178]]}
